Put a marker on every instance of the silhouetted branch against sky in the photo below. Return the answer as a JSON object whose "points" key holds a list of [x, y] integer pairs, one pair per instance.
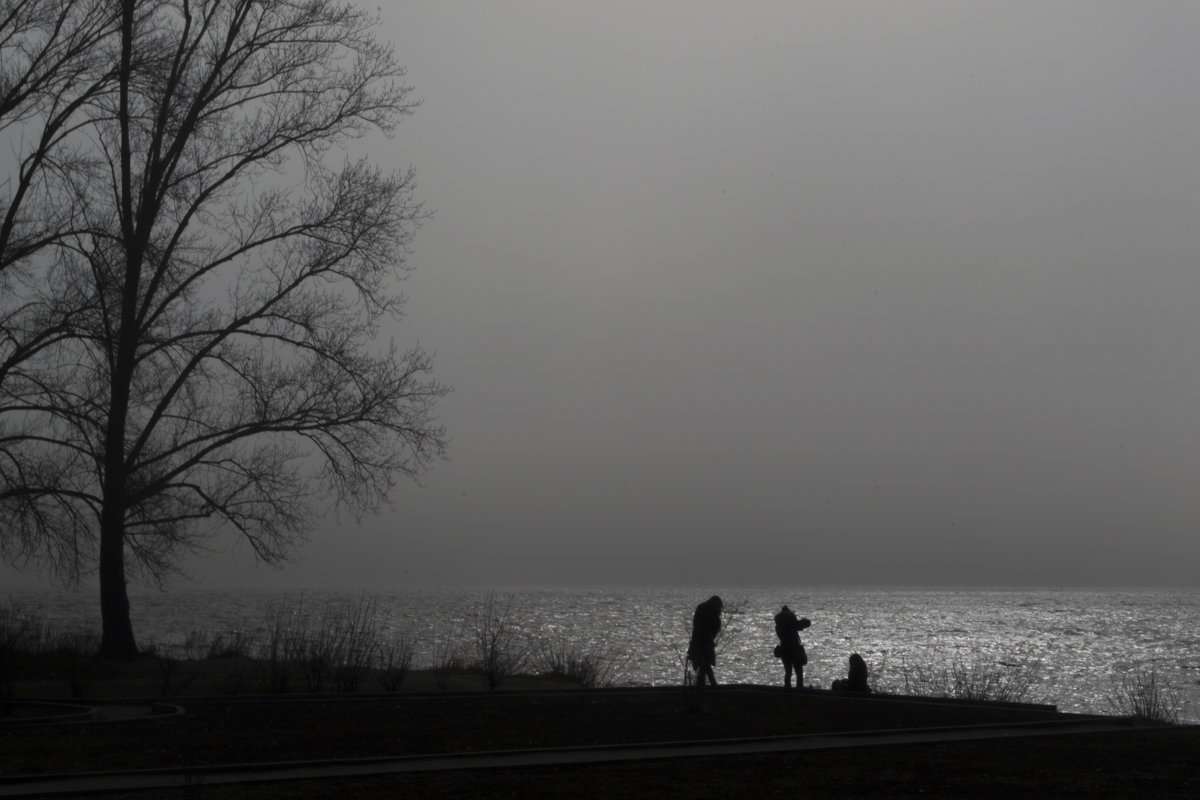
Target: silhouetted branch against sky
{"points": [[56, 60], [228, 270]]}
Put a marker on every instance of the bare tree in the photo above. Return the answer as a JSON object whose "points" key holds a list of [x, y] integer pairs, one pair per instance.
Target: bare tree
{"points": [[229, 279]]}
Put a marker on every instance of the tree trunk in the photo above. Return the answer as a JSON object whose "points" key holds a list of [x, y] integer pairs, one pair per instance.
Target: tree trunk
{"points": [[117, 643]]}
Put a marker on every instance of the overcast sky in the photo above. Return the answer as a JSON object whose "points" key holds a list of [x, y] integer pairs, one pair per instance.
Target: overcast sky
{"points": [[802, 292]]}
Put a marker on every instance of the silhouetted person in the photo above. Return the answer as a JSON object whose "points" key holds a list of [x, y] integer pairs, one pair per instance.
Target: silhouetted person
{"points": [[856, 681], [702, 649], [788, 628]]}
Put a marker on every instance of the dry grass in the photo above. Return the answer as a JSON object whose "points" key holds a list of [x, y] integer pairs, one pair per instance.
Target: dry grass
{"points": [[1142, 695]]}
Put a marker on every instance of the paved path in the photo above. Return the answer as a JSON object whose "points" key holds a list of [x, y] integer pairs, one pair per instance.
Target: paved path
{"points": [[248, 773]]}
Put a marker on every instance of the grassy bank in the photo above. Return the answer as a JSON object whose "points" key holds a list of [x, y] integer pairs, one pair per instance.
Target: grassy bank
{"points": [[226, 731], [329, 685]]}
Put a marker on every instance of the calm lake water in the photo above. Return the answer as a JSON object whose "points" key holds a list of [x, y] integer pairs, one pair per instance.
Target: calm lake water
{"points": [[1078, 643]]}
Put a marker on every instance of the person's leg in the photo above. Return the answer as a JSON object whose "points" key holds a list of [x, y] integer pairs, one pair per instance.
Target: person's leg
{"points": [[787, 674]]}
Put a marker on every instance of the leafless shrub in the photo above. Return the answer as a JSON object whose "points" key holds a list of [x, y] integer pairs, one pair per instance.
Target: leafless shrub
{"points": [[195, 645], [279, 654], [172, 672], [733, 621], [234, 650], [14, 630], [335, 647], [1142, 695], [446, 659], [356, 644], [77, 658], [237, 643], [1005, 682], [395, 658], [314, 655], [678, 647], [985, 680], [32, 648], [589, 668], [500, 646], [168, 667]]}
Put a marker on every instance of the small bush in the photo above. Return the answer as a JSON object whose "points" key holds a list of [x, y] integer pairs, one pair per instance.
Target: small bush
{"points": [[1005, 682], [1001, 682], [395, 658], [445, 661], [14, 630], [499, 645], [195, 645], [337, 646], [29, 648], [175, 674], [357, 644], [77, 657], [279, 655], [237, 643], [590, 669], [1141, 695]]}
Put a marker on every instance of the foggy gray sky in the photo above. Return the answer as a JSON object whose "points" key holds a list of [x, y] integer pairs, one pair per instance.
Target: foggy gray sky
{"points": [[801, 292]]}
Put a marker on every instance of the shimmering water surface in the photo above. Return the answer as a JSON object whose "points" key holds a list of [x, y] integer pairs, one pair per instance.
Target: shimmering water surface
{"points": [[1081, 641]]}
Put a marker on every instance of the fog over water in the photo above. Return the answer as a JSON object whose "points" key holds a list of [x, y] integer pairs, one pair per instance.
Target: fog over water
{"points": [[896, 293]]}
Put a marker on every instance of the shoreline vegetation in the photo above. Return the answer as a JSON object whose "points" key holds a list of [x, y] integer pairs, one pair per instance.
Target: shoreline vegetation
{"points": [[329, 685], [350, 647], [340, 649]]}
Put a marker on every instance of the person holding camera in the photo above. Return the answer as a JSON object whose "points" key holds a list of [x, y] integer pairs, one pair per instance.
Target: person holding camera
{"points": [[788, 628]]}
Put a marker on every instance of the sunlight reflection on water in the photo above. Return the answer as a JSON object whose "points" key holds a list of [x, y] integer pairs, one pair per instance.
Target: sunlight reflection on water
{"points": [[1081, 639]]}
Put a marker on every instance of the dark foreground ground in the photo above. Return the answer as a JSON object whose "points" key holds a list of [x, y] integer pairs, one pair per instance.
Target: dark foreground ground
{"points": [[1136, 762]]}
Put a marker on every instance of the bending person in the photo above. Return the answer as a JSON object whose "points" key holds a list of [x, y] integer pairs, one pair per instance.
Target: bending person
{"points": [[702, 649]]}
